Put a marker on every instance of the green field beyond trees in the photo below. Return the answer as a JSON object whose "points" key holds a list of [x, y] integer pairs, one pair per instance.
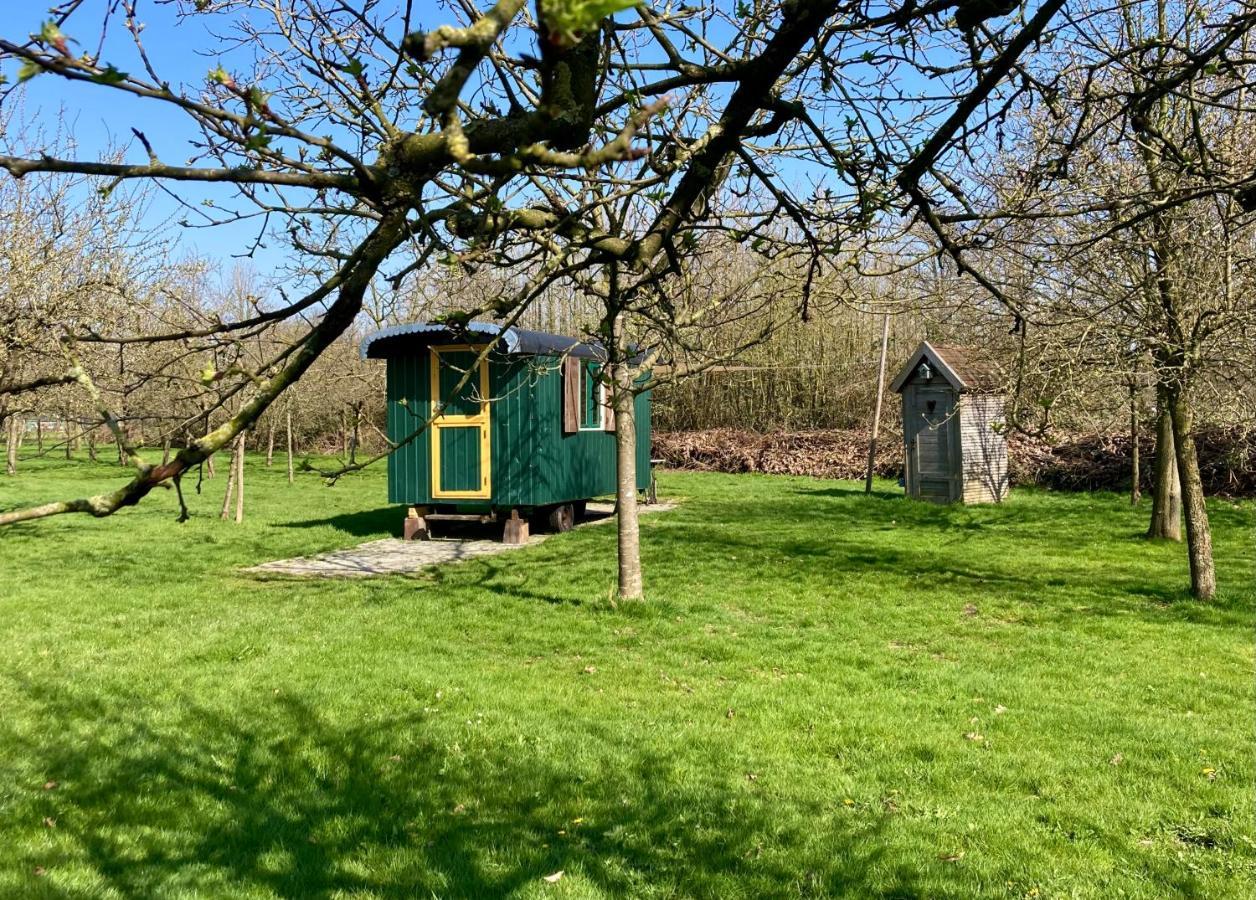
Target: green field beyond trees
{"points": [[826, 694]]}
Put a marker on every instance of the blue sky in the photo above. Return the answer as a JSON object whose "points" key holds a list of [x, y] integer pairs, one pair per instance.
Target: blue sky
{"points": [[100, 118]]}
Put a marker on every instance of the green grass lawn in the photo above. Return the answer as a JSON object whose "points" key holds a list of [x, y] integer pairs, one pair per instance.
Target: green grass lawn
{"points": [[826, 694]]}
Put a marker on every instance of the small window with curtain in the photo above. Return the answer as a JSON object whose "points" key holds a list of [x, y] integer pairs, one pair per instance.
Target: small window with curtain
{"points": [[592, 397]]}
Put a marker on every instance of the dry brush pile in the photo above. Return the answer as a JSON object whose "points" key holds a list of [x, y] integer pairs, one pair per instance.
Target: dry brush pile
{"points": [[830, 453], [1101, 462], [1088, 462]]}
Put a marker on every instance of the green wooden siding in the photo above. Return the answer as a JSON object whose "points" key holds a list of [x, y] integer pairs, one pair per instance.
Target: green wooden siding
{"points": [[409, 467], [533, 462]]}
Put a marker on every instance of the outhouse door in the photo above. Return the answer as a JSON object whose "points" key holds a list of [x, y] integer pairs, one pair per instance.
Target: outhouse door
{"points": [[460, 434], [935, 445]]}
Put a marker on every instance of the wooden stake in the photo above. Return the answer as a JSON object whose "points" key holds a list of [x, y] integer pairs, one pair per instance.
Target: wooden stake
{"points": [[876, 414], [1136, 493], [239, 512], [289, 446]]}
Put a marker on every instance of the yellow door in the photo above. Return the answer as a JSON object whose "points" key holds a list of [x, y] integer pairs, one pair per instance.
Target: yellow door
{"points": [[460, 434]]}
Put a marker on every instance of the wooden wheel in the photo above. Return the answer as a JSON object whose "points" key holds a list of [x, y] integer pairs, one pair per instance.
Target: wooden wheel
{"points": [[561, 517]]}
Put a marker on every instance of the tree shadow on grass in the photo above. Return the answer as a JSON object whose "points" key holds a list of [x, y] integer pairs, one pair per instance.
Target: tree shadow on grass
{"points": [[854, 506], [275, 796], [377, 523], [851, 493], [736, 529], [497, 577], [1056, 590]]}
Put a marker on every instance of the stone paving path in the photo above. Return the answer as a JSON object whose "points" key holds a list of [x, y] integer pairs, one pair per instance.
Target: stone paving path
{"points": [[393, 556]]}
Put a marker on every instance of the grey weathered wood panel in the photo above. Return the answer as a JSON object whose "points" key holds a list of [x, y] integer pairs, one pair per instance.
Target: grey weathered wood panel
{"points": [[985, 448]]}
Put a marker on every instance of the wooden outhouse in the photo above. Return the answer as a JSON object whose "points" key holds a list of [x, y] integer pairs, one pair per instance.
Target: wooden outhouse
{"points": [[953, 427], [530, 435]]}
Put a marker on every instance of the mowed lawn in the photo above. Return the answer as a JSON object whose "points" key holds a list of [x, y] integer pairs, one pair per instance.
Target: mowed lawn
{"points": [[827, 694]]}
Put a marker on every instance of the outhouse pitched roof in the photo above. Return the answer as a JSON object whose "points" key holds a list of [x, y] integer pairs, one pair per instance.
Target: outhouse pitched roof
{"points": [[963, 367], [408, 337]]}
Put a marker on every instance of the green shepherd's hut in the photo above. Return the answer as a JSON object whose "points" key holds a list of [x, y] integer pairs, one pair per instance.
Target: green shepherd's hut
{"points": [[530, 435]]}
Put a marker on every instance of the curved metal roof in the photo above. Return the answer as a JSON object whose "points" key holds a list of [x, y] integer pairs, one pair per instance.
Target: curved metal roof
{"points": [[402, 339]]}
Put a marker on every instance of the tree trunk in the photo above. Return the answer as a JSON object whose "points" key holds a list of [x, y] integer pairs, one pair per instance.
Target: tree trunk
{"points": [[39, 433], [876, 412], [630, 581], [91, 444], [1136, 491], [1198, 531], [239, 510], [10, 440], [229, 493], [1166, 498], [270, 442], [165, 449], [354, 437], [289, 425], [204, 429]]}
